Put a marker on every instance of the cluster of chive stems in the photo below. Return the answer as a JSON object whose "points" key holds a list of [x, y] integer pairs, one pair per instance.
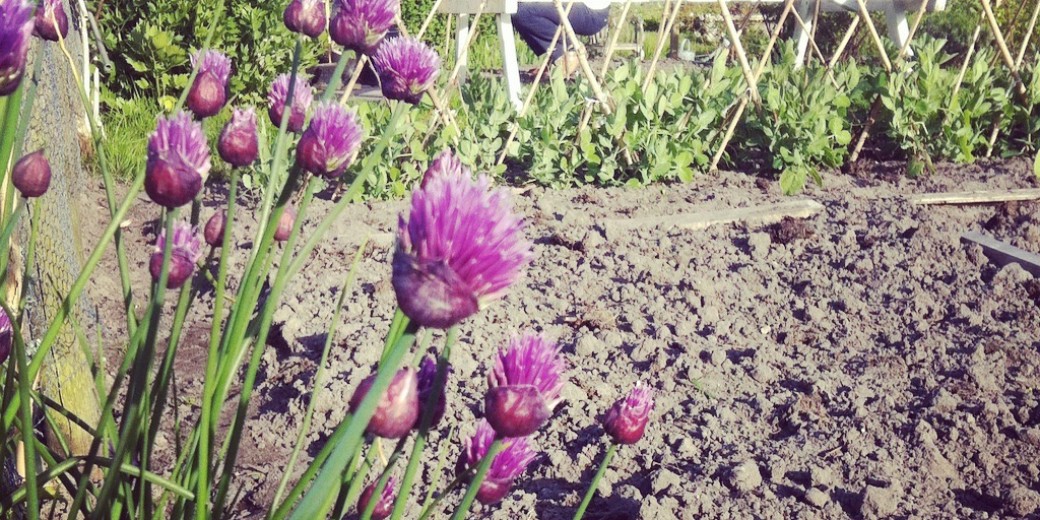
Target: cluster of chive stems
{"points": [[460, 248]]}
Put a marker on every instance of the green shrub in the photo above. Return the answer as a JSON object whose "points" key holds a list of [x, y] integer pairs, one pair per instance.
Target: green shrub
{"points": [[152, 53], [804, 123]]}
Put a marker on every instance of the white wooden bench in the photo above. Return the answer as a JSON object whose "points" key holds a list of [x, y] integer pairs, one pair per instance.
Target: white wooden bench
{"points": [[895, 14]]}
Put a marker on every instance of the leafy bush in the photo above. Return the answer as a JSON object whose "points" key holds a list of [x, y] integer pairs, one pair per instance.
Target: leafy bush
{"points": [[925, 122], [152, 53], [804, 122]]}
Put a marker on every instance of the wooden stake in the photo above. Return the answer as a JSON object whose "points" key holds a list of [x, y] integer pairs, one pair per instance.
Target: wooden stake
{"points": [[664, 30], [602, 97], [1002, 254], [1028, 36], [609, 54], [874, 34], [739, 111], [849, 33], [976, 197], [534, 86], [745, 68], [761, 215], [1002, 45]]}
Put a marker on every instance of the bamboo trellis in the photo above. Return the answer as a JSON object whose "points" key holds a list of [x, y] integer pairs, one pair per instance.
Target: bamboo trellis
{"points": [[988, 30]]}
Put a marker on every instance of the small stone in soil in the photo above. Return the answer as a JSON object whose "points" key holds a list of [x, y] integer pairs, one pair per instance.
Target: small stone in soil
{"points": [[745, 477], [759, 244], [878, 502], [1021, 501], [665, 480], [815, 498]]}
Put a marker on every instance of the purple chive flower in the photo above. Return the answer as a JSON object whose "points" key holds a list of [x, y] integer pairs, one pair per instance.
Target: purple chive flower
{"points": [[407, 68], [385, 506], [6, 336], [331, 142], [509, 464], [360, 25], [178, 161], [187, 249], [306, 17], [626, 420], [32, 175], [16, 25], [427, 375], [302, 97], [51, 21], [209, 91], [461, 248], [398, 409], [238, 144], [214, 230], [446, 163], [524, 386]]}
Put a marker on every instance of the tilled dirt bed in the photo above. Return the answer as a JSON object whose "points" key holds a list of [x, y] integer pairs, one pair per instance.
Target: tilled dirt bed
{"points": [[859, 363]]}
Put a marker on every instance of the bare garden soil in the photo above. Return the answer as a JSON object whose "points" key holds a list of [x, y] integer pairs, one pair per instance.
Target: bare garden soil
{"points": [[860, 363]]}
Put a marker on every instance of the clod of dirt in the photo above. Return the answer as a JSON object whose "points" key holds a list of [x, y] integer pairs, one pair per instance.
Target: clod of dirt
{"points": [[1022, 501], [1005, 216], [821, 477], [665, 480], [879, 502], [789, 230], [816, 498], [759, 245], [745, 477]]}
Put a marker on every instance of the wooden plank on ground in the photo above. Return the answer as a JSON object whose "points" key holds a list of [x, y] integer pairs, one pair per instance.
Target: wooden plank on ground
{"points": [[1002, 254], [976, 197], [760, 215]]}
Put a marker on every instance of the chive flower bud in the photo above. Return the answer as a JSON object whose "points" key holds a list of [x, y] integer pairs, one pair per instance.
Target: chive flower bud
{"points": [[32, 175], [306, 17], [505, 468], [303, 95], [524, 386], [285, 225], [385, 505], [407, 68], [16, 26], [209, 91], [238, 144], [398, 409], [6, 336], [185, 253], [331, 142], [51, 21], [360, 25], [214, 230], [427, 376], [461, 249], [626, 420], [178, 161]]}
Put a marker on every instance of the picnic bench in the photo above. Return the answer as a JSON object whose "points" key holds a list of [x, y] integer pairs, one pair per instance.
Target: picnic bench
{"points": [[895, 15]]}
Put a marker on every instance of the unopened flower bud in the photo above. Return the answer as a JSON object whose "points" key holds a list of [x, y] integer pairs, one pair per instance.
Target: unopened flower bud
{"points": [[178, 161], [214, 230], [525, 386], [184, 254], [385, 505], [398, 409], [51, 21], [626, 420], [285, 225], [209, 91], [239, 144], [32, 175], [305, 17]]}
